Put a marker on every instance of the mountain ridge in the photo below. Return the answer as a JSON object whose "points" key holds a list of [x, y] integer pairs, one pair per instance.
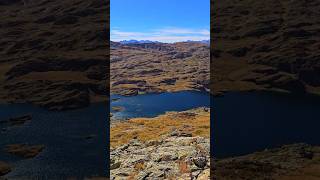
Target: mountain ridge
{"points": [[133, 41]]}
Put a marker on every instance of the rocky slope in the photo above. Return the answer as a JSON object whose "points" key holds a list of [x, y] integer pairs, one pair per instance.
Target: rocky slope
{"points": [[266, 45], [54, 53], [175, 145], [172, 157], [158, 67], [296, 161]]}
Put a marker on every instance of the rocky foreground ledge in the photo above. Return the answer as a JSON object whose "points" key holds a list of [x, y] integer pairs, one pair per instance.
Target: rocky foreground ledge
{"points": [[172, 157], [175, 145], [288, 162]]}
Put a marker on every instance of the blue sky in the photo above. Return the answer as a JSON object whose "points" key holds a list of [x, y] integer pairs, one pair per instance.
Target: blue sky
{"points": [[160, 20]]}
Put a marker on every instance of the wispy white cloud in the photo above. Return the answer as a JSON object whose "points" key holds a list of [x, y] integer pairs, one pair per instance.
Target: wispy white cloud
{"points": [[181, 31], [168, 34]]}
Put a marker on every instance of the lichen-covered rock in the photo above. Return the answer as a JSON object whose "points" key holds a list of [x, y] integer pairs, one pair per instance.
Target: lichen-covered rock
{"points": [[176, 157]]}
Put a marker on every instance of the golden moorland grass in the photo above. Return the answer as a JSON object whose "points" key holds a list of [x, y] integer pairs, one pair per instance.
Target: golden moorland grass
{"points": [[145, 129]]}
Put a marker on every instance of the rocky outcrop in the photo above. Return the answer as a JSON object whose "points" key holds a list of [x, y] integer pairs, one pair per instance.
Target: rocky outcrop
{"points": [[296, 161], [174, 145], [278, 35], [62, 95], [54, 64], [54, 54], [175, 157]]}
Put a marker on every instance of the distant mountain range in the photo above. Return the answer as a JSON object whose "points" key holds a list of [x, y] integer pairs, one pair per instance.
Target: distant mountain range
{"points": [[202, 41], [133, 41]]}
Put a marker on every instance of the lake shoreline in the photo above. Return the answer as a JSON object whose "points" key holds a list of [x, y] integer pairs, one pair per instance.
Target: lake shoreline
{"points": [[172, 140], [153, 104]]}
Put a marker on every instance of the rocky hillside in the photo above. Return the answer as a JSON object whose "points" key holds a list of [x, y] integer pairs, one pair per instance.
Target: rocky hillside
{"points": [[158, 67], [289, 162], [266, 45], [175, 145], [53, 53]]}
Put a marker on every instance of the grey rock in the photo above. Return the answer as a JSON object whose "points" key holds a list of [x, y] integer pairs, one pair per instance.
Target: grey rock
{"points": [[160, 158], [115, 165], [200, 161]]}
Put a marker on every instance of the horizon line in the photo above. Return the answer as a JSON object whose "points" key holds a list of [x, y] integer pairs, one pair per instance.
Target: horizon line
{"points": [[187, 40], [165, 34]]}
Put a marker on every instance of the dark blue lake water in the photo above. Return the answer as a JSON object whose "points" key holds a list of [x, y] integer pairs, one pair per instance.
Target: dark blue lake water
{"points": [[242, 123], [67, 152], [247, 122], [150, 105]]}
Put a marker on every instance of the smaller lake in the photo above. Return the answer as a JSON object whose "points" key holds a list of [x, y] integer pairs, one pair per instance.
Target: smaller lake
{"points": [[151, 105]]}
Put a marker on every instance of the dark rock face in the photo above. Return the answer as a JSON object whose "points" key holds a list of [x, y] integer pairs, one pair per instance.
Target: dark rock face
{"points": [[45, 65], [280, 34], [289, 161], [97, 72], [66, 20], [61, 95], [54, 53], [239, 52]]}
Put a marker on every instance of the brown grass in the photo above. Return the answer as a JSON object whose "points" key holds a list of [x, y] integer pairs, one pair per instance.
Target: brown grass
{"points": [[183, 167], [145, 129], [132, 176], [139, 166]]}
